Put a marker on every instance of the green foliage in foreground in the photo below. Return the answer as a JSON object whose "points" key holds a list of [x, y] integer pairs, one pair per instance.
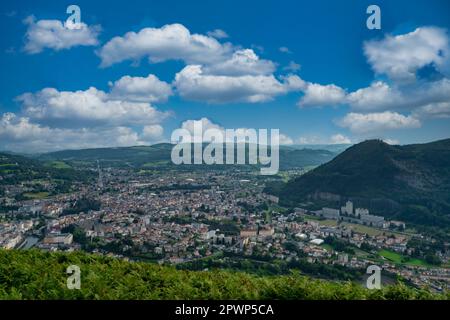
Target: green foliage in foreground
{"points": [[33, 274]]}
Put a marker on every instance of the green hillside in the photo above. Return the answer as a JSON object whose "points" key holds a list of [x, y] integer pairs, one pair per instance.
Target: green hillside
{"points": [[410, 183], [120, 156], [15, 169], [32, 274], [160, 154]]}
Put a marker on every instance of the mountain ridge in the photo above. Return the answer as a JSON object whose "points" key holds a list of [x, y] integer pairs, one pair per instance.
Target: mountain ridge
{"points": [[410, 182], [289, 157]]}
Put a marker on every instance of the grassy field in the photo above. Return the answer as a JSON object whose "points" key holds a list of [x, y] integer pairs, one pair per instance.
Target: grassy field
{"points": [[4, 165], [7, 168], [400, 259], [6, 171], [146, 171], [390, 255], [59, 165], [155, 163], [326, 247], [311, 218], [371, 231], [328, 223], [417, 262], [36, 195], [363, 229]]}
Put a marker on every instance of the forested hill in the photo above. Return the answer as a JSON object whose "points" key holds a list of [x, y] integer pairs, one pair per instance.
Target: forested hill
{"points": [[411, 182], [15, 169], [158, 154], [33, 274]]}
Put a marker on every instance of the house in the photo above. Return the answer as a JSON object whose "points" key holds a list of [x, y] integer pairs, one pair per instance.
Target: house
{"points": [[59, 238], [330, 213]]}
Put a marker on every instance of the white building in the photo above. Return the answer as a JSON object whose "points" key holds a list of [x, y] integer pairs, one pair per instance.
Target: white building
{"points": [[12, 242], [343, 258], [330, 213], [361, 211], [301, 236], [59, 238], [317, 241], [210, 234], [348, 208], [371, 220]]}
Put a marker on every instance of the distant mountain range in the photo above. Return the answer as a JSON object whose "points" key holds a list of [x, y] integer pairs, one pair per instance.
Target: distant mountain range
{"points": [[410, 182], [120, 156], [336, 148], [158, 154]]}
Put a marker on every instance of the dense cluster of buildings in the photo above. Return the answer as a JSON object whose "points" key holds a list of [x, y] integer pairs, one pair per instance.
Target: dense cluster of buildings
{"points": [[177, 217], [12, 234], [357, 215]]}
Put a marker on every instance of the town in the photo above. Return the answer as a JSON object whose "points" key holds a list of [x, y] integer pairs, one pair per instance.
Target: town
{"points": [[215, 218]]}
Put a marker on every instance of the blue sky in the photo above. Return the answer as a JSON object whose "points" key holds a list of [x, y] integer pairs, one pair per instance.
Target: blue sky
{"points": [[310, 68]]}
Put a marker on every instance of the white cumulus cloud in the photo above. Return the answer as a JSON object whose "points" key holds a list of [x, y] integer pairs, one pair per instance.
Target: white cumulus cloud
{"points": [[401, 56], [218, 34], [434, 110], [242, 62], [378, 96], [206, 124], [292, 66], [91, 107], [170, 42], [53, 34], [152, 132], [316, 95], [340, 139], [141, 89], [285, 140], [19, 134], [192, 84], [377, 122]]}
